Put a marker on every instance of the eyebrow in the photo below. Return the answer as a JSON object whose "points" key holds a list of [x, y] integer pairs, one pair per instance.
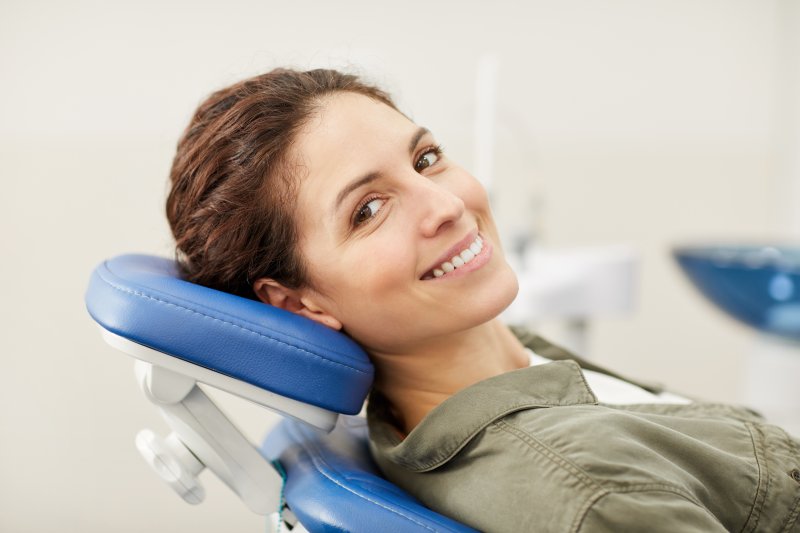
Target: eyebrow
{"points": [[372, 176]]}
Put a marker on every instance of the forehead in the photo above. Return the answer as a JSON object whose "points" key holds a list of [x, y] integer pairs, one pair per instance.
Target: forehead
{"points": [[349, 136], [347, 132]]}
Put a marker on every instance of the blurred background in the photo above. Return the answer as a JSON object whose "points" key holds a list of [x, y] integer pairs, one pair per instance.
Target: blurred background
{"points": [[617, 123]]}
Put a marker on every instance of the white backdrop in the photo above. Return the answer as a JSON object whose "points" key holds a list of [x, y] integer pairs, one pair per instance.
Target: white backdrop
{"points": [[648, 123]]}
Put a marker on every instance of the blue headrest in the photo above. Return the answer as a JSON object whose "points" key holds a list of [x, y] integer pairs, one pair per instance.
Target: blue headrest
{"points": [[142, 298]]}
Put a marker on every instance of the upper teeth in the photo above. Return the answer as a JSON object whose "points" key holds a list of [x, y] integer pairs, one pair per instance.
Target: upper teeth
{"points": [[464, 257]]}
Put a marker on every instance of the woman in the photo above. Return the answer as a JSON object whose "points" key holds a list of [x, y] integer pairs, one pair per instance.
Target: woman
{"points": [[311, 192]]}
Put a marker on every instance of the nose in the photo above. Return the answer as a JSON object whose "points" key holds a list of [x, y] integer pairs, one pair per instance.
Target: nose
{"points": [[439, 207]]}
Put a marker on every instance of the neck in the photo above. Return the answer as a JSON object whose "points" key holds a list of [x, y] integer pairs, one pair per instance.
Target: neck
{"points": [[417, 381]]}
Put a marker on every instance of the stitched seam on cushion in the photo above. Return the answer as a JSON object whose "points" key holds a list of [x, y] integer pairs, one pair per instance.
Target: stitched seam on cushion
{"points": [[758, 499], [186, 309], [550, 454], [646, 487], [316, 459], [202, 313]]}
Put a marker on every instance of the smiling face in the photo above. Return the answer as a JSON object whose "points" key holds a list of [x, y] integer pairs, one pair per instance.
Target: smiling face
{"points": [[398, 241]]}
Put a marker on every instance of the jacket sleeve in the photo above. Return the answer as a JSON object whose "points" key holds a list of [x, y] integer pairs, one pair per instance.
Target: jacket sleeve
{"points": [[653, 511]]}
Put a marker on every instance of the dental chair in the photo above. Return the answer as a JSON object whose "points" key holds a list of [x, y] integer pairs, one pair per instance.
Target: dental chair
{"points": [[313, 472]]}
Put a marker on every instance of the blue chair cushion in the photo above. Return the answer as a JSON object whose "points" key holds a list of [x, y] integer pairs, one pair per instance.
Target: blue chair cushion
{"points": [[142, 298], [333, 485]]}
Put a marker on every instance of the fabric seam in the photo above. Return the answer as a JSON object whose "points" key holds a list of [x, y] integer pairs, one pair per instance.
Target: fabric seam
{"points": [[758, 498], [548, 453], [792, 517], [186, 309], [647, 487], [437, 461]]}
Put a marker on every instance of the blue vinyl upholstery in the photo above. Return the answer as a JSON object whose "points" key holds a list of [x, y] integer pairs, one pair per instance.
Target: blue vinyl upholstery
{"points": [[334, 486], [141, 298]]}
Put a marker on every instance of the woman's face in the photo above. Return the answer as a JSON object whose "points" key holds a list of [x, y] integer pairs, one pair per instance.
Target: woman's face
{"points": [[381, 214]]}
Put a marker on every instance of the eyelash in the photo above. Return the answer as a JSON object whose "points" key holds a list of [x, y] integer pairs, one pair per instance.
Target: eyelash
{"points": [[433, 149]]}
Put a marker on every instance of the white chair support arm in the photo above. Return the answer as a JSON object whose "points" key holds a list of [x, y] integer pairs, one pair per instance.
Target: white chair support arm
{"points": [[203, 437]]}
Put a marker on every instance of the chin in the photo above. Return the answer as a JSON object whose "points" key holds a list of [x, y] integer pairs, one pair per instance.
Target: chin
{"points": [[509, 292], [497, 297]]}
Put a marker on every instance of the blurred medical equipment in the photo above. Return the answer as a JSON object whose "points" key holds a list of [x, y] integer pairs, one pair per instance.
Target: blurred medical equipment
{"points": [[573, 285], [566, 285], [758, 286], [183, 335]]}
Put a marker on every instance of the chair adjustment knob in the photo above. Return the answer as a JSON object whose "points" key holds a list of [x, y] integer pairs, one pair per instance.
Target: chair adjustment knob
{"points": [[174, 463]]}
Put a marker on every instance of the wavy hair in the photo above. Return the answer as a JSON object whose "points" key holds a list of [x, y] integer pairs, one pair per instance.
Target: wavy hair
{"points": [[233, 183]]}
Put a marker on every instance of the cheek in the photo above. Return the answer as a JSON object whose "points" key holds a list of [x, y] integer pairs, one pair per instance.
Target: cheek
{"points": [[469, 189], [362, 275], [474, 196], [385, 264]]}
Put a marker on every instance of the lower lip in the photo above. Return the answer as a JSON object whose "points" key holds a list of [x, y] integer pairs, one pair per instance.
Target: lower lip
{"points": [[477, 262]]}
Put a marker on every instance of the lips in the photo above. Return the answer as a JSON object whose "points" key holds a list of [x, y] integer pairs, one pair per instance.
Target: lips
{"points": [[458, 255]]}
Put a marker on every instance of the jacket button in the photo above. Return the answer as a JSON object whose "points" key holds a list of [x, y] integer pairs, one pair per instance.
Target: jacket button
{"points": [[795, 475]]}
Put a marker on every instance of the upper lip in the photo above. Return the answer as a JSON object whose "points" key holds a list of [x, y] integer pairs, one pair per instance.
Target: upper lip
{"points": [[454, 250]]}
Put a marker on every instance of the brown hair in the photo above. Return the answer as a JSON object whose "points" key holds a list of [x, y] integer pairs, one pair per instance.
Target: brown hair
{"points": [[230, 205]]}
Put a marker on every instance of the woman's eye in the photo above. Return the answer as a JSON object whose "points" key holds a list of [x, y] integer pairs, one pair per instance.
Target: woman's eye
{"points": [[429, 158], [367, 211]]}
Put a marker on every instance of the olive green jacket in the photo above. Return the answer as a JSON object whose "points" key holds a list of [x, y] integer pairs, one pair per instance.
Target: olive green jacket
{"points": [[533, 450]]}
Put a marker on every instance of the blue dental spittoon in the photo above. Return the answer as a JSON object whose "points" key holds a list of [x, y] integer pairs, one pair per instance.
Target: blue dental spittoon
{"points": [[757, 285]]}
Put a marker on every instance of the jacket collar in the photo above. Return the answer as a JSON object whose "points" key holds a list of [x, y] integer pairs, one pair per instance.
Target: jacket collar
{"points": [[453, 423]]}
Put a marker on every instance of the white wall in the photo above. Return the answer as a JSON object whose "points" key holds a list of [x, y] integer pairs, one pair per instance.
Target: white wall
{"points": [[648, 123]]}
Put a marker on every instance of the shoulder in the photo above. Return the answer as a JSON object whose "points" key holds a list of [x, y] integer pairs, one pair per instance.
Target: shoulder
{"points": [[574, 467], [503, 480]]}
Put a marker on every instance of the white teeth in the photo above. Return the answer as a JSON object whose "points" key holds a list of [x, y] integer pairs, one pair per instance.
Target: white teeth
{"points": [[459, 260]]}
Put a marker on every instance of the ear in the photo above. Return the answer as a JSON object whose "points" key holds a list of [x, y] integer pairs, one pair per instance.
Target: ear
{"points": [[294, 300]]}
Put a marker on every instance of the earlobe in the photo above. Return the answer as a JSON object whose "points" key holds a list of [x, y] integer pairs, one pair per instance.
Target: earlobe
{"points": [[274, 293]]}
